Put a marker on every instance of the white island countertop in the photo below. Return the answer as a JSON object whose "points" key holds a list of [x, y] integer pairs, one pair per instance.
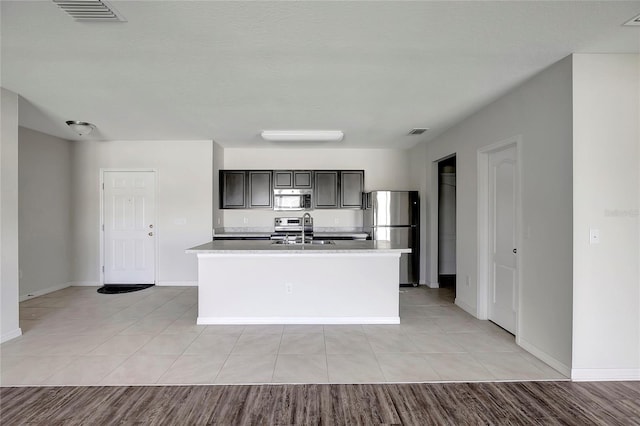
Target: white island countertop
{"points": [[257, 247], [259, 282]]}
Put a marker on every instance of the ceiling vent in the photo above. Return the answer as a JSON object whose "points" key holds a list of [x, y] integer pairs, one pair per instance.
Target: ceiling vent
{"points": [[90, 10], [634, 22], [418, 130]]}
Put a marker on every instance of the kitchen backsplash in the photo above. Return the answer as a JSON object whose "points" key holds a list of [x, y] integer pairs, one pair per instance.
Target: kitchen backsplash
{"points": [[251, 229], [261, 219]]}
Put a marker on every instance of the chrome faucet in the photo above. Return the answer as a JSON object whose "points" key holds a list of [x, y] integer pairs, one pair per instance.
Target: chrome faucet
{"points": [[304, 219]]}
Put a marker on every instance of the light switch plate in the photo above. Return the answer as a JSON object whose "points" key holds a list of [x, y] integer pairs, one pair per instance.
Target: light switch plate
{"points": [[594, 236]]}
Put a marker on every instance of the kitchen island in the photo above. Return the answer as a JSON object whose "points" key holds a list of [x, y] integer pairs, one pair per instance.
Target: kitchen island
{"points": [[260, 282]]}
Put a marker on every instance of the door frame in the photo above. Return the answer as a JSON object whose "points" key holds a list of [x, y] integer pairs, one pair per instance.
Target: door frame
{"points": [[101, 262], [484, 251]]}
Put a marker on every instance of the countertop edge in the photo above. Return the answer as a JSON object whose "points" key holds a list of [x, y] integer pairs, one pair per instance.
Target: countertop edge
{"points": [[264, 247]]}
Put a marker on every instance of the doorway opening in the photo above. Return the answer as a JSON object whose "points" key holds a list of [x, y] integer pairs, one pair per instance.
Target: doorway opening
{"points": [[447, 223]]}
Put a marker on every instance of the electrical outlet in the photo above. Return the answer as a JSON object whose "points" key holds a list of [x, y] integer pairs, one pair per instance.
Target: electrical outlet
{"points": [[218, 221], [245, 220], [594, 236], [288, 288], [336, 220]]}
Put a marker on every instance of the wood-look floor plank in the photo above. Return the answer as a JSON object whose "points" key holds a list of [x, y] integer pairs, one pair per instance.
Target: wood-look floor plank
{"points": [[526, 403]]}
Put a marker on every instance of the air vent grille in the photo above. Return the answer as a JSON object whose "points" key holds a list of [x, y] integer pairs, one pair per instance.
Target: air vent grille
{"points": [[634, 22], [418, 131], [90, 10]]}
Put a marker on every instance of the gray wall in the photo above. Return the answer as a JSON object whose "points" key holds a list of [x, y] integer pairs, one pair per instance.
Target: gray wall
{"points": [[606, 302], [9, 327], [218, 164], [45, 212], [540, 113], [184, 202]]}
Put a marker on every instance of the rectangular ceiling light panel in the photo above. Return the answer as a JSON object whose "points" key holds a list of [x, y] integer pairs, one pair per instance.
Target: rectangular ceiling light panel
{"points": [[302, 135], [90, 10]]}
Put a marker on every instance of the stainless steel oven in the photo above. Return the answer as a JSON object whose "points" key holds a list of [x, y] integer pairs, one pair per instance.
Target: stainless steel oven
{"points": [[291, 228]]}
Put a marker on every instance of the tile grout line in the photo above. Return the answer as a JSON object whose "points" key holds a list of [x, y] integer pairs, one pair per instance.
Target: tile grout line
{"points": [[215, 379]]}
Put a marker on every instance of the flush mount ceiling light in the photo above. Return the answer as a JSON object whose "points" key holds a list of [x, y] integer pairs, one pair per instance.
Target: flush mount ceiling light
{"points": [[81, 127], [302, 135]]}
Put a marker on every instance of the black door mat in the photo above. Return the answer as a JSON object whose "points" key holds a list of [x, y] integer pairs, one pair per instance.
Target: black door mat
{"points": [[122, 288]]}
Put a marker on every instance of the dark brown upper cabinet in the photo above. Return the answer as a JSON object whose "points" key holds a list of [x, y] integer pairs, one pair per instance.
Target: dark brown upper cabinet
{"points": [[253, 189], [351, 188], [298, 179], [233, 189], [260, 189], [325, 191], [241, 189]]}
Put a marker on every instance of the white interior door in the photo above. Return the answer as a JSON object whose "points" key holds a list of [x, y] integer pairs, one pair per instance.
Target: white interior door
{"points": [[129, 229], [503, 268]]}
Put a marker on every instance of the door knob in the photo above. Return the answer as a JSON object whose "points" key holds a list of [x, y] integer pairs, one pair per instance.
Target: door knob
{"points": [[151, 234]]}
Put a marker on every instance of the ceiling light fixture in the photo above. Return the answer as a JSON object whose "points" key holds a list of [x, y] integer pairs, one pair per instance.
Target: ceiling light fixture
{"points": [[81, 127], [302, 135]]}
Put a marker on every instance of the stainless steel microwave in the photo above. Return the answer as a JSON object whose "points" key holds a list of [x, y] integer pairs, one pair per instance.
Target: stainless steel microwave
{"points": [[292, 199]]}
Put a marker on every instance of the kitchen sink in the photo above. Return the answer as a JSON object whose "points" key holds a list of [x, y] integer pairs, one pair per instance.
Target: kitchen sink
{"points": [[299, 243]]}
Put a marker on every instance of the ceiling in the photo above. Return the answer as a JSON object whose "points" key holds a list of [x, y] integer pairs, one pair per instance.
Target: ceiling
{"points": [[194, 70]]}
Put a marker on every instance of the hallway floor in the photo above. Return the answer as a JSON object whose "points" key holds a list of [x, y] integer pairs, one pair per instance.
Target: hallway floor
{"points": [[76, 336]]}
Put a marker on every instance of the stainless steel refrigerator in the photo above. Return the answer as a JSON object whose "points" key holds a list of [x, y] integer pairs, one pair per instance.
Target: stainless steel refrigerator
{"points": [[394, 216]]}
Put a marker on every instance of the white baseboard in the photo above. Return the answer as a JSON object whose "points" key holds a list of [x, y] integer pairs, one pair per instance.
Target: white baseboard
{"points": [[432, 285], [297, 320], [466, 307], [422, 282], [545, 357], [85, 284], [42, 292], [11, 335], [159, 283], [177, 283], [604, 374]]}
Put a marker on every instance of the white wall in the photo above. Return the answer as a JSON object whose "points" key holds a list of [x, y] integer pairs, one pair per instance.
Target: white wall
{"points": [[9, 325], [218, 164], [45, 212], [383, 169], [418, 169], [184, 178], [540, 113], [606, 302]]}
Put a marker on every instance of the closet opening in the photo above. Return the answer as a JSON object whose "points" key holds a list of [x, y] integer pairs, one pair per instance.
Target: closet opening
{"points": [[447, 223]]}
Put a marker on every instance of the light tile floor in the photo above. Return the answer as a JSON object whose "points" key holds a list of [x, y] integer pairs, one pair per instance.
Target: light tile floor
{"points": [[76, 336]]}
